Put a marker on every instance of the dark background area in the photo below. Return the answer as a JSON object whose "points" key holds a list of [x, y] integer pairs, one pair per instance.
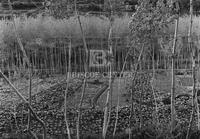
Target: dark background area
{"points": [[91, 5]]}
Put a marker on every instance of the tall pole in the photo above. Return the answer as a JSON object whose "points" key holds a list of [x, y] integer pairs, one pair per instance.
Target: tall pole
{"points": [[68, 73], [86, 71], [107, 113], [173, 111], [193, 68]]}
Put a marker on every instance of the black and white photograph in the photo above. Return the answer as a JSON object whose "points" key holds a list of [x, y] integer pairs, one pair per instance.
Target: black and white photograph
{"points": [[99, 69]]}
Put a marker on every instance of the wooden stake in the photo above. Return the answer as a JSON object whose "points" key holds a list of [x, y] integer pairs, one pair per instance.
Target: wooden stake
{"points": [[26, 102], [30, 96], [109, 93], [173, 114], [68, 72], [118, 95], [86, 71], [131, 101], [26, 61], [192, 47]]}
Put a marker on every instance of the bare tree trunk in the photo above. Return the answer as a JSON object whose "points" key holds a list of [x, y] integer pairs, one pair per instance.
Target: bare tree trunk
{"points": [[152, 83], [140, 107], [193, 68], [131, 101], [106, 118], [173, 112], [68, 72], [109, 93], [30, 94], [155, 114], [26, 61], [86, 71], [195, 99], [26, 102], [197, 105], [119, 92]]}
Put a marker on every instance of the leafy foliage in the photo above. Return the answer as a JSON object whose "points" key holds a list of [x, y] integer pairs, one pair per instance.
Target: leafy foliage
{"points": [[64, 8], [151, 22]]}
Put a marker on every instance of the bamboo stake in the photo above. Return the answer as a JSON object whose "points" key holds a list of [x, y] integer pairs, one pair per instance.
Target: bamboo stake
{"points": [[68, 72], [173, 114], [111, 80], [45, 60], [25, 101], [86, 71], [134, 76], [155, 114], [26, 61], [152, 86], [30, 94], [196, 98], [197, 105], [118, 96], [109, 92], [35, 59], [140, 106], [193, 68], [194, 84]]}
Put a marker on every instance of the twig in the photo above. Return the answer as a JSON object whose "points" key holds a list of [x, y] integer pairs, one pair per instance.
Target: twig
{"points": [[33, 134]]}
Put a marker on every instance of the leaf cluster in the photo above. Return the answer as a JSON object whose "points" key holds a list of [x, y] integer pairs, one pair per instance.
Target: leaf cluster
{"points": [[151, 21]]}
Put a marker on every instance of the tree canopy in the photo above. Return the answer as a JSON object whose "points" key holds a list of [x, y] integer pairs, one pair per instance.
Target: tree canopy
{"points": [[150, 23]]}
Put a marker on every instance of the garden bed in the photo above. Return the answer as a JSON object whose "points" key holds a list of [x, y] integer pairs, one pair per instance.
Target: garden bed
{"points": [[49, 106]]}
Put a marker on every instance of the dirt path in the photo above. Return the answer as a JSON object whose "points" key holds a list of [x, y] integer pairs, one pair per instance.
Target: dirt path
{"points": [[118, 87]]}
